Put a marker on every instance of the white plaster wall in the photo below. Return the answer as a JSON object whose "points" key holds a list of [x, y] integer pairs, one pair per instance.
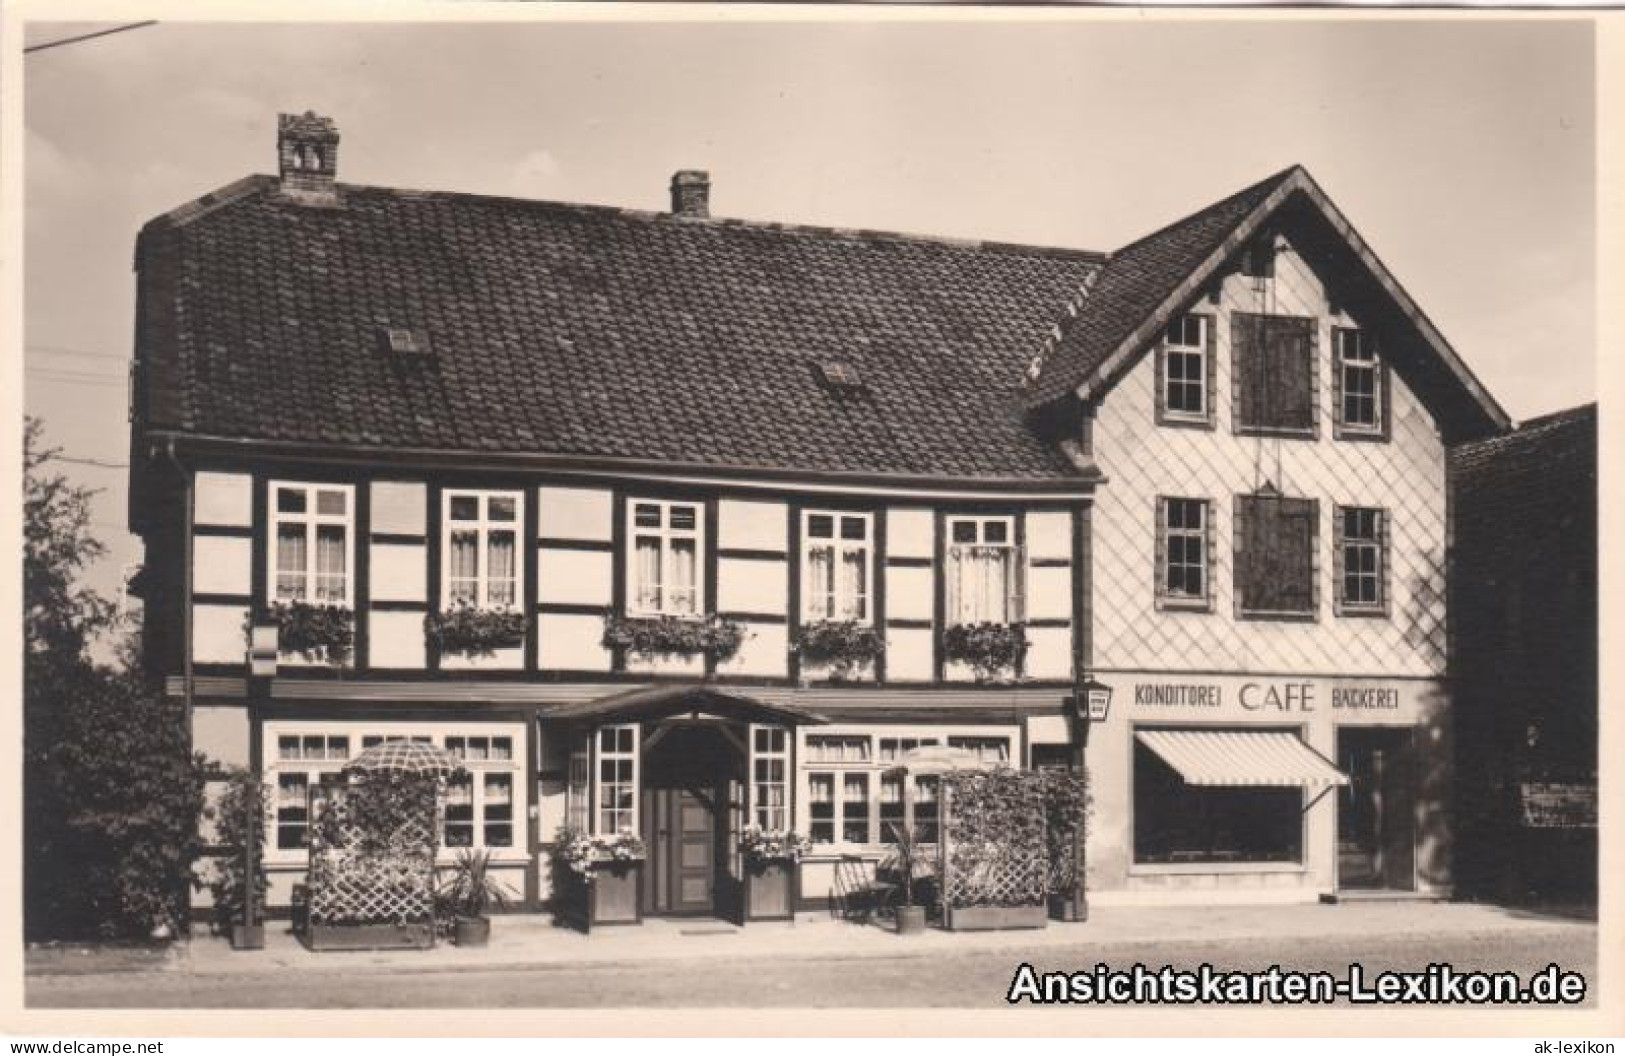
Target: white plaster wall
{"points": [[575, 513], [909, 652], [691, 666], [910, 532], [217, 634], [764, 653], [221, 733], [223, 498], [1049, 653], [909, 593], [751, 525], [753, 586], [1049, 593], [575, 577], [399, 572], [395, 639], [222, 565], [1049, 535], [571, 642], [400, 507]]}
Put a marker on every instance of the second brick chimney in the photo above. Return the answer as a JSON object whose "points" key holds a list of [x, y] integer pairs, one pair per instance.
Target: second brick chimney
{"points": [[691, 193], [307, 151]]}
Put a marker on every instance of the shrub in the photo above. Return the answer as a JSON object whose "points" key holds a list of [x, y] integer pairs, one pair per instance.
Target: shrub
{"points": [[998, 853], [243, 803]]}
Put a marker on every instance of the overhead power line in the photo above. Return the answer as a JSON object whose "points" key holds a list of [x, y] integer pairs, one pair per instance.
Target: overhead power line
{"points": [[99, 463], [64, 350], [90, 36]]}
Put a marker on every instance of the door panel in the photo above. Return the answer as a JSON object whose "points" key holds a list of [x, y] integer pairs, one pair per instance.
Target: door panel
{"points": [[694, 843], [1376, 830]]}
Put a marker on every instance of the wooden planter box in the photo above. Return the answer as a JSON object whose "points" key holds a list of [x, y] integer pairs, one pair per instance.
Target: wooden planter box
{"points": [[996, 918], [369, 936], [611, 898], [771, 890]]}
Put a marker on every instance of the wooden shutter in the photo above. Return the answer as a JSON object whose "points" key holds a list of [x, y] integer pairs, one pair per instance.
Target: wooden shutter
{"points": [[1290, 402], [1274, 371], [1275, 561], [1159, 573], [1246, 352]]}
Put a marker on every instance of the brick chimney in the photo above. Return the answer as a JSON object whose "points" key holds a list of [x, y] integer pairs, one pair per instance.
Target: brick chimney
{"points": [[307, 150], [691, 193]]}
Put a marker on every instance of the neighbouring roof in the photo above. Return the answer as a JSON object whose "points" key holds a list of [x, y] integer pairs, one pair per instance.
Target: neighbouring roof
{"points": [[1516, 479], [1129, 302], [596, 332]]}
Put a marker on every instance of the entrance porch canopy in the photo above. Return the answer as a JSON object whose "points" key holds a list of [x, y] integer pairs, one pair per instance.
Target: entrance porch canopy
{"points": [[656, 703]]}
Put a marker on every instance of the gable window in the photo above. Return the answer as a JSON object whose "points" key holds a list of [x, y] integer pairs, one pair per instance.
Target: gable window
{"points": [[1360, 383], [481, 547], [1276, 558], [984, 571], [314, 542], [1184, 542], [837, 563], [1275, 378], [665, 549], [1185, 371], [1362, 561]]}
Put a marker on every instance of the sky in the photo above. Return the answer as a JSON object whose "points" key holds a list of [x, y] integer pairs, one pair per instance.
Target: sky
{"points": [[1463, 151]]}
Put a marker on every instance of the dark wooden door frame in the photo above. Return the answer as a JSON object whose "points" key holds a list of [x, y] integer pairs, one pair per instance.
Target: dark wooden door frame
{"points": [[667, 780]]}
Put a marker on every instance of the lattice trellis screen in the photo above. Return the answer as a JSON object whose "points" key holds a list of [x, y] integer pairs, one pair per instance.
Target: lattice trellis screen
{"points": [[389, 882]]}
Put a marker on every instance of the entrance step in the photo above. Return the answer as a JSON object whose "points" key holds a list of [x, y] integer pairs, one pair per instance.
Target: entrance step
{"points": [[1358, 895]]}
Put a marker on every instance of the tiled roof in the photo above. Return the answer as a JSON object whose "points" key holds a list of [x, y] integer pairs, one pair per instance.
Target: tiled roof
{"points": [[1524, 470], [595, 332], [1135, 281]]}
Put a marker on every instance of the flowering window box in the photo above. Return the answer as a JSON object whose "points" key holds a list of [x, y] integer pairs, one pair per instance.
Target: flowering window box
{"points": [[600, 879]]}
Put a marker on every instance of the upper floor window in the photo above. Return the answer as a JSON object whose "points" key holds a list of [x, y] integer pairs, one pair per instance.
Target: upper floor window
{"points": [[664, 579], [1184, 537], [312, 525], [1359, 377], [837, 565], [1275, 375], [1276, 555], [1362, 560], [481, 546], [1185, 371], [984, 571]]}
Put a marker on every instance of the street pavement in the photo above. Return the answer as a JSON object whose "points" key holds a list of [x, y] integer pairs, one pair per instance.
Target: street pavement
{"points": [[816, 963]]}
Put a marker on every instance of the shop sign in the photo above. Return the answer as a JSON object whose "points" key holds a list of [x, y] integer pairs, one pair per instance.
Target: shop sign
{"points": [[1234, 696], [1554, 805]]}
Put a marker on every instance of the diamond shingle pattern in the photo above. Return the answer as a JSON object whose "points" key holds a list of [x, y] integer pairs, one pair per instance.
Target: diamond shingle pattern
{"points": [[579, 330]]}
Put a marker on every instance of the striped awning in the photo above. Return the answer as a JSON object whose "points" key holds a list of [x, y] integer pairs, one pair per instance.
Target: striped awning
{"points": [[1242, 757]]}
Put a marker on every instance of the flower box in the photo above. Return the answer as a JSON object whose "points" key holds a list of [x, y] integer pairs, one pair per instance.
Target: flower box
{"points": [[771, 889], [606, 895], [996, 918], [417, 936], [664, 637], [464, 630]]}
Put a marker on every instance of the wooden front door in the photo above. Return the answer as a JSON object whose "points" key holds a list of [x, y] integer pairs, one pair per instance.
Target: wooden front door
{"points": [[685, 817], [1376, 825]]}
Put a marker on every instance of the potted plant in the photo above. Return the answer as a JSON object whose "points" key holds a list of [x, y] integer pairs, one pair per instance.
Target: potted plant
{"points": [[598, 877], [908, 858], [472, 631], [845, 647], [467, 893], [658, 637], [993, 650], [772, 860]]}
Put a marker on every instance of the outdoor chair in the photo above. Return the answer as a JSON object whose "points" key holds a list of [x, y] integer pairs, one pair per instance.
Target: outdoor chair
{"points": [[859, 895]]}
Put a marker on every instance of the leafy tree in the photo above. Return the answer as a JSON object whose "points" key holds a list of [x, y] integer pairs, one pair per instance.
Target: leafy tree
{"points": [[112, 793]]}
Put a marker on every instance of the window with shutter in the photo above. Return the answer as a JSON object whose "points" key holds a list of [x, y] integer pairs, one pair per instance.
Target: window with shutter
{"points": [[1276, 555], [1275, 375]]}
